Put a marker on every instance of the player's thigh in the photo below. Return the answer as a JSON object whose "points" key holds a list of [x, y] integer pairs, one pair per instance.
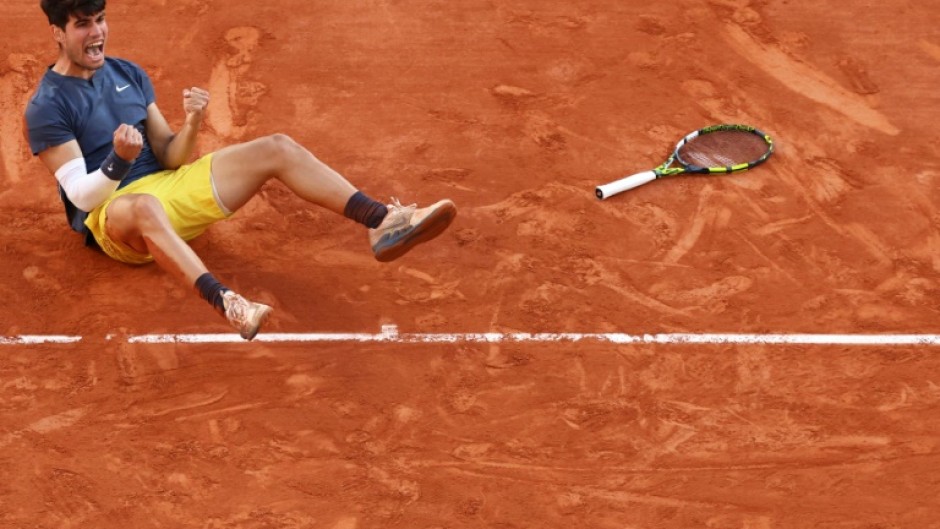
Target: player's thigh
{"points": [[239, 171]]}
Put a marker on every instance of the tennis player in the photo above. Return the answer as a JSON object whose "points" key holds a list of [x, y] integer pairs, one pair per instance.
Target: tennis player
{"points": [[127, 187]]}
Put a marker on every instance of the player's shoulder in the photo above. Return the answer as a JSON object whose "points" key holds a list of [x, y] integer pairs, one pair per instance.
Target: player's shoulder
{"points": [[46, 95], [124, 65], [125, 70]]}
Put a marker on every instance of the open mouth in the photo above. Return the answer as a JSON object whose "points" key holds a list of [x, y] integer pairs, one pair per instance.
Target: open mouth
{"points": [[95, 50]]}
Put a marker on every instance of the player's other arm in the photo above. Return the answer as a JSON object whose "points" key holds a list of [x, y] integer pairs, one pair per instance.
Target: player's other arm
{"points": [[88, 190], [173, 150]]}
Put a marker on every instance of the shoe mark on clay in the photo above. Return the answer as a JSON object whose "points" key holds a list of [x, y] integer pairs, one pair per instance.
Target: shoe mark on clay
{"points": [[723, 109], [40, 280], [521, 203], [14, 94], [545, 132], [541, 223], [868, 239], [498, 359], [573, 71], [274, 514], [827, 183], [432, 319], [437, 290], [513, 96], [452, 176], [911, 288], [47, 424], [740, 11], [222, 411], [236, 96], [830, 181], [858, 77], [731, 107], [537, 126], [707, 216], [714, 298], [539, 23], [598, 414], [603, 276], [58, 421], [133, 369], [619, 497], [127, 364], [303, 385], [929, 248], [186, 401], [600, 402], [67, 498], [831, 187], [806, 80], [374, 480]]}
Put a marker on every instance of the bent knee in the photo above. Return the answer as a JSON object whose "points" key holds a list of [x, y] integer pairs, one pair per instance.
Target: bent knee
{"points": [[281, 146], [148, 207], [142, 211], [280, 142], [132, 215]]}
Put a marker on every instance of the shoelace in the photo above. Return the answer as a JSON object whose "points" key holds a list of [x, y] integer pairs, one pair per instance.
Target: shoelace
{"points": [[238, 310], [402, 213]]}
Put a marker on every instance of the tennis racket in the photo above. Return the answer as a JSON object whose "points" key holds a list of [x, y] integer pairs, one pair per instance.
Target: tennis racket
{"points": [[718, 149]]}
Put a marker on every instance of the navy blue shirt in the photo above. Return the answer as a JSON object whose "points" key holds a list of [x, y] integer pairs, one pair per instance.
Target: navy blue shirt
{"points": [[66, 108]]}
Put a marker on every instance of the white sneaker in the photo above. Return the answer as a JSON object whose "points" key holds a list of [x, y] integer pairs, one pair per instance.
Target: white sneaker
{"points": [[406, 226], [246, 316]]}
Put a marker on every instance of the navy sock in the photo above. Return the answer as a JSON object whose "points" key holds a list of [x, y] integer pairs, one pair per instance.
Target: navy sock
{"points": [[211, 290], [364, 210]]}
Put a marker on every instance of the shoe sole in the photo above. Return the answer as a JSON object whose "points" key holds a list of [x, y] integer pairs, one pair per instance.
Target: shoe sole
{"points": [[264, 312], [430, 227]]}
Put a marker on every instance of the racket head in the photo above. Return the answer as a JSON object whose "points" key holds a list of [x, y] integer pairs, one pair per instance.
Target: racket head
{"points": [[725, 148]]}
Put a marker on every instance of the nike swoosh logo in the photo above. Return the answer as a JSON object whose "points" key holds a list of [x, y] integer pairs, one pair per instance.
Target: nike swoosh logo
{"points": [[122, 88]]}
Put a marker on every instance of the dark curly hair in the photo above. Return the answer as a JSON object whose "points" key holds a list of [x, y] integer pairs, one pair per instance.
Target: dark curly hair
{"points": [[58, 11]]}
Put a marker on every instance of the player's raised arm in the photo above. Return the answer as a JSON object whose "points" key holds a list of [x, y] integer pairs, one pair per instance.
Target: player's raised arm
{"points": [[174, 150]]}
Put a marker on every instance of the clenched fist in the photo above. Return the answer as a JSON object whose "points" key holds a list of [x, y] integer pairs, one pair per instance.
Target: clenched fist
{"points": [[127, 142], [195, 101]]}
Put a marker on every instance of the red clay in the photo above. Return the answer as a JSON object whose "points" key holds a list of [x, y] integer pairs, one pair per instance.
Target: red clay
{"points": [[515, 110]]}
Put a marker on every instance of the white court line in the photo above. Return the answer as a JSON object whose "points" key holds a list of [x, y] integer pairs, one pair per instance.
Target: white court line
{"points": [[617, 338], [390, 334], [37, 339]]}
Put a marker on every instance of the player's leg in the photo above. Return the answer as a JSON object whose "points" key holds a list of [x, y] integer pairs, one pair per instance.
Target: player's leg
{"points": [[240, 170], [139, 222]]}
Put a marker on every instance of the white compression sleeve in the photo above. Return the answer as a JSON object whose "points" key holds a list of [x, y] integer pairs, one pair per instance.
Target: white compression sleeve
{"points": [[86, 190]]}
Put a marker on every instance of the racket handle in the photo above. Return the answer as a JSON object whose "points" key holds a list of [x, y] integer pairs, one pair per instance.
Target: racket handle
{"points": [[624, 184]]}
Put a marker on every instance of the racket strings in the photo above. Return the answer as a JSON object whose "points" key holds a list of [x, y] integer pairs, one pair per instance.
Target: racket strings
{"points": [[723, 149]]}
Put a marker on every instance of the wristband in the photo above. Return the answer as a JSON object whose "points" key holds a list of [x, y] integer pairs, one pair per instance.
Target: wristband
{"points": [[115, 167]]}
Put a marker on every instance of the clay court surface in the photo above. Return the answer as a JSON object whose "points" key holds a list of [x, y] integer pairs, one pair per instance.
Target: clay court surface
{"points": [[515, 110]]}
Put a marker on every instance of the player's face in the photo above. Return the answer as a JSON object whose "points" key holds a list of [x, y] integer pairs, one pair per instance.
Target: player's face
{"points": [[83, 41]]}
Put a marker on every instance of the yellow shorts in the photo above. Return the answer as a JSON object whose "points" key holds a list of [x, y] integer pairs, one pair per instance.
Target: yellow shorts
{"points": [[186, 195]]}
